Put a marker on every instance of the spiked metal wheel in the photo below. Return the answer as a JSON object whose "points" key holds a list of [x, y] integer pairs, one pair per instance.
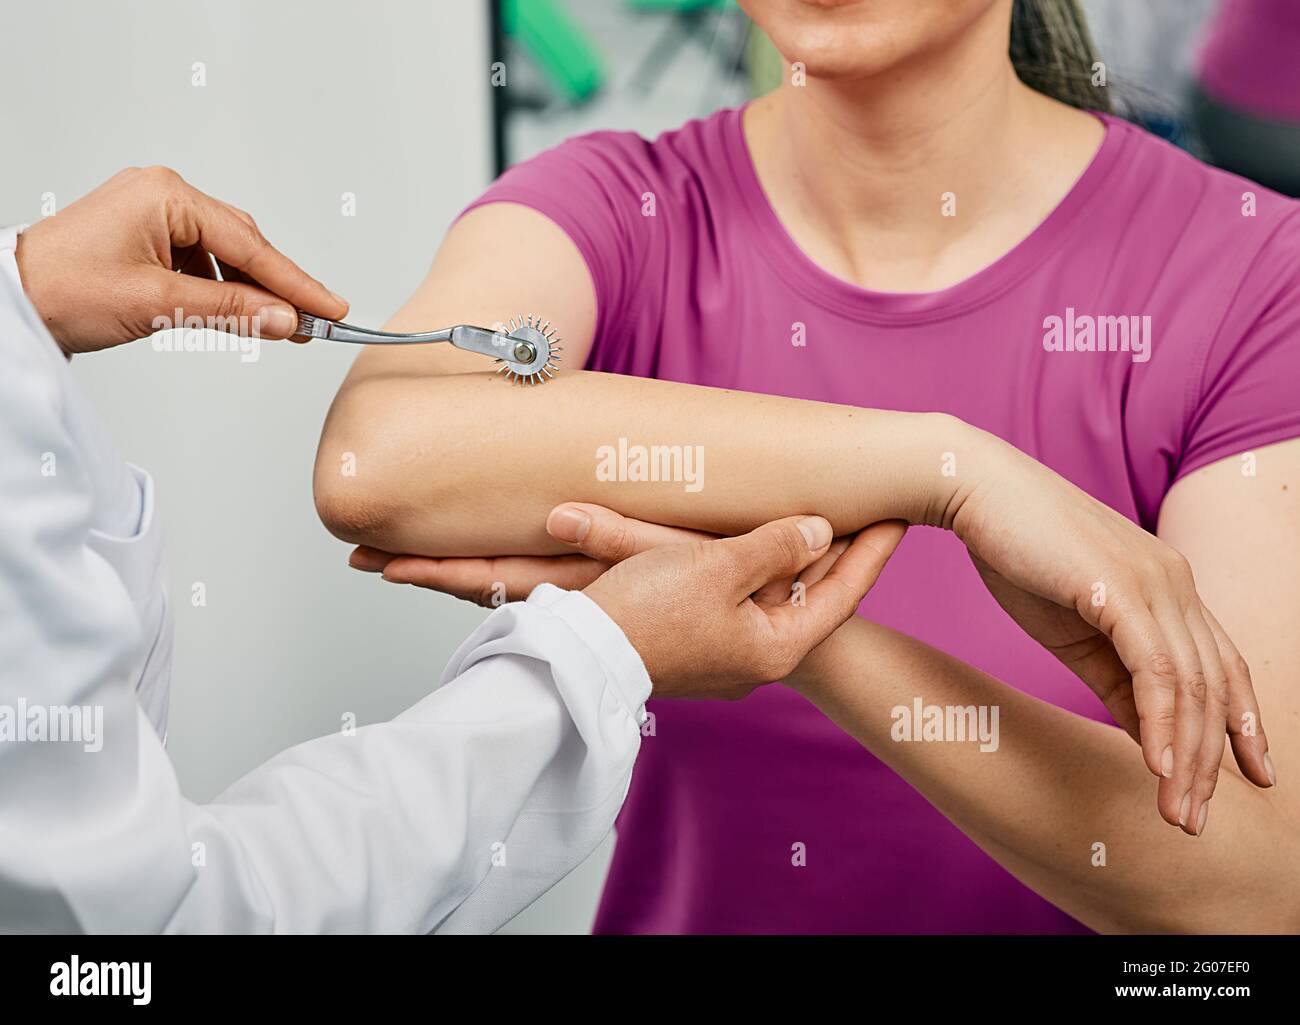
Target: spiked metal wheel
{"points": [[536, 351]]}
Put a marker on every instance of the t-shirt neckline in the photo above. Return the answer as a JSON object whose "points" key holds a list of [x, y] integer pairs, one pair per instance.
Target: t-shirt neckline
{"points": [[792, 264]]}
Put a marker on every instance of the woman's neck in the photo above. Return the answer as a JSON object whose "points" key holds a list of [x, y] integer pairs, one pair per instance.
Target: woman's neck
{"points": [[921, 176]]}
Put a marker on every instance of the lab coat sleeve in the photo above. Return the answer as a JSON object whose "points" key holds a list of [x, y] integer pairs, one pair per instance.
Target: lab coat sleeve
{"points": [[453, 816]]}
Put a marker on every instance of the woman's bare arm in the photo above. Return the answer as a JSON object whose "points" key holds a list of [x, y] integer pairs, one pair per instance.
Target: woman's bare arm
{"points": [[467, 464], [427, 452], [424, 453], [1058, 785]]}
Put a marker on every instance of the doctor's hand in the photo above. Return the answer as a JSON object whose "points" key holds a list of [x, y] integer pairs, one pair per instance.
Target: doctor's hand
{"points": [[684, 616], [135, 256], [599, 538], [717, 618]]}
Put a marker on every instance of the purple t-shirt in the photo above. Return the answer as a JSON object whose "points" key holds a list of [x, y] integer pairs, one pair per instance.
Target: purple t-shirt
{"points": [[1250, 59], [710, 289]]}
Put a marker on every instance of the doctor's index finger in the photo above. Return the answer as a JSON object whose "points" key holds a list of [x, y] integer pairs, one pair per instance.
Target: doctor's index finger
{"points": [[491, 582], [233, 237]]}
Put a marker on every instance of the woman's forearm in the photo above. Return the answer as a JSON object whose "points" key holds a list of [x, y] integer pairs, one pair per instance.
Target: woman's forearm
{"points": [[464, 464], [1056, 786]]}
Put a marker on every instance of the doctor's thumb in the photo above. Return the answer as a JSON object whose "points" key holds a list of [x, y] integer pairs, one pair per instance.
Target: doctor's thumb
{"points": [[232, 307], [782, 548]]}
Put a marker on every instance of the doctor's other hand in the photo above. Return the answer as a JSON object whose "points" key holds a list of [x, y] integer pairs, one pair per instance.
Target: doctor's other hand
{"points": [[703, 615], [136, 256], [602, 538], [599, 537]]}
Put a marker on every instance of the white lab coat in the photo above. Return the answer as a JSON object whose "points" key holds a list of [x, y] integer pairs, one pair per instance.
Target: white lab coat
{"points": [[452, 817]]}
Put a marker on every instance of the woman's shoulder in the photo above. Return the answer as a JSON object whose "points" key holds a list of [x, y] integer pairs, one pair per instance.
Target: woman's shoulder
{"points": [[1211, 240], [1161, 183], [1219, 259]]}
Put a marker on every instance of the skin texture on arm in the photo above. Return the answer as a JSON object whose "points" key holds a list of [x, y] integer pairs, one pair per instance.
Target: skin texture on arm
{"points": [[424, 453], [1059, 783], [483, 483], [443, 457]]}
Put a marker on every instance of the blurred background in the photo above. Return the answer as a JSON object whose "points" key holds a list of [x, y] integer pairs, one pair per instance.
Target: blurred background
{"points": [[648, 65], [355, 133]]}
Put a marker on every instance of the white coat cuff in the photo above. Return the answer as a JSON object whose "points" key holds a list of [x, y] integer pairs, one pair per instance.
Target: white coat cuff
{"points": [[8, 261], [605, 639], [9, 270]]}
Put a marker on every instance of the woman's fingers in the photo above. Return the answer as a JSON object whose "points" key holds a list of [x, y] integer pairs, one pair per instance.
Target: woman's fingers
{"points": [[1140, 644], [1190, 689], [1169, 693], [1190, 699], [1214, 737], [1245, 728]]}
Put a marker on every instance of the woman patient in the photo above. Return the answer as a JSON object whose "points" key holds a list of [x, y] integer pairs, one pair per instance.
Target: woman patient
{"points": [[1091, 341]]}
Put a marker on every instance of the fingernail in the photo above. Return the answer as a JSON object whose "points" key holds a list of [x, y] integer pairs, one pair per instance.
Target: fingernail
{"points": [[339, 299], [568, 524], [1200, 819], [1185, 808], [1167, 762], [276, 321], [816, 532], [1268, 767]]}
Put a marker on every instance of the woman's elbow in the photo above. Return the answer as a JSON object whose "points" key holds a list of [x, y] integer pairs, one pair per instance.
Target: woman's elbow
{"points": [[356, 495], [419, 467], [347, 515], [351, 511]]}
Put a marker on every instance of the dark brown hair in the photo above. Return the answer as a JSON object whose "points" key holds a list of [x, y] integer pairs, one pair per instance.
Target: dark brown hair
{"points": [[1053, 52]]}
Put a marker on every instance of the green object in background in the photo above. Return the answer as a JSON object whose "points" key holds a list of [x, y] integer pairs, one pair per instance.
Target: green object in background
{"points": [[765, 65], [563, 53]]}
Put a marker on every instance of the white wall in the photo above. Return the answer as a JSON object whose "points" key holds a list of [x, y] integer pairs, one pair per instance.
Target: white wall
{"points": [[303, 101]]}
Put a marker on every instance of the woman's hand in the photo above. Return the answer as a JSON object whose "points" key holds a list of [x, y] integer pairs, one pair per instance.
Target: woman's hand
{"points": [[1118, 607]]}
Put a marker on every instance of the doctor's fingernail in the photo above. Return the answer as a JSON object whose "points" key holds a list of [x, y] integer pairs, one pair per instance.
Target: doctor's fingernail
{"points": [[816, 531], [276, 321], [1184, 808], [1167, 762], [1268, 767], [1200, 820], [568, 524], [339, 299]]}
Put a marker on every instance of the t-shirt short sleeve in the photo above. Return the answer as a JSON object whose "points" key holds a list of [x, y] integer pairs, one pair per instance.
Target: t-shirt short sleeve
{"points": [[594, 188], [1246, 391]]}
